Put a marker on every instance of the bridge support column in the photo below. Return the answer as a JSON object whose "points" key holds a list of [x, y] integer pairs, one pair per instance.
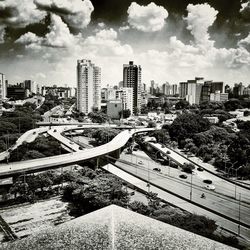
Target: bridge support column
{"points": [[97, 163]]}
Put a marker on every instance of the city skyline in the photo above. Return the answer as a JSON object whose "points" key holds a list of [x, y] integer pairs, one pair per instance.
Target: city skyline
{"points": [[171, 41]]}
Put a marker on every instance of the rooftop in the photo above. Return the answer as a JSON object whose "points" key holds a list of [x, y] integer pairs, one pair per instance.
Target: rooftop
{"points": [[114, 227]]}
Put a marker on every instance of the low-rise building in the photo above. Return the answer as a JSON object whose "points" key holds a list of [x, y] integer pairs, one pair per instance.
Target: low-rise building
{"points": [[114, 107]]}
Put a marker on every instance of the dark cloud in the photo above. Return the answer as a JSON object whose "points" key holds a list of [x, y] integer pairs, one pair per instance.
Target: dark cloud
{"points": [[52, 8]]}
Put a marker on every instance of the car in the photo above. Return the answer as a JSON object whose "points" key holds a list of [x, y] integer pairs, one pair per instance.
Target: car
{"points": [[81, 148], [55, 130], [207, 181], [34, 132], [183, 176], [200, 169], [210, 187], [140, 162], [71, 142], [157, 169]]}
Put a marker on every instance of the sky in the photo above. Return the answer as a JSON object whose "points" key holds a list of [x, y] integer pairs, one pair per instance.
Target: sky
{"points": [[172, 40]]}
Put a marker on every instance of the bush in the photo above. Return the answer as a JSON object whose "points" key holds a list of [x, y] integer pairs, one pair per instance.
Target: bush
{"points": [[207, 158], [188, 168]]}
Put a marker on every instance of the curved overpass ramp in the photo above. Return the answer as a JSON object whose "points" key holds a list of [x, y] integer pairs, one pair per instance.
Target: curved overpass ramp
{"points": [[15, 168]]}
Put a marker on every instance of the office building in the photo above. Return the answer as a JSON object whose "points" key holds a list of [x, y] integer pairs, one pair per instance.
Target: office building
{"points": [[126, 96], [173, 89], [191, 90], [30, 86], [199, 90], [16, 92], [3, 86], [152, 87], [217, 86], [132, 79], [88, 86], [218, 97], [238, 89], [166, 88]]}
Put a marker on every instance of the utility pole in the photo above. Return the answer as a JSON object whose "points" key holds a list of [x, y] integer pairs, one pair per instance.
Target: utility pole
{"points": [[236, 170], [191, 187], [239, 214]]}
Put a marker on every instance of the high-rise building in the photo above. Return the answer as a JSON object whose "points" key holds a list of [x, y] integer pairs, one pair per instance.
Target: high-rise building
{"points": [[191, 90], [132, 79], [88, 86], [126, 96], [3, 90], [3, 85], [174, 89], [30, 85], [152, 87], [166, 88], [238, 89], [216, 86]]}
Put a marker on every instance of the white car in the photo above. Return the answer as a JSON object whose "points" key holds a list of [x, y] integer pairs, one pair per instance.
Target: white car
{"points": [[210, 187], [140, 162]]}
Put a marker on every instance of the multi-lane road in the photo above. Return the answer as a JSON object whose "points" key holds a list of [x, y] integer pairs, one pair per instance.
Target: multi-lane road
{"points": [[214, 201]]}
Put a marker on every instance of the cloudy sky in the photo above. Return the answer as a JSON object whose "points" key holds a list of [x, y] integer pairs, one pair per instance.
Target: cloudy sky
{"points": [[172, 40]]}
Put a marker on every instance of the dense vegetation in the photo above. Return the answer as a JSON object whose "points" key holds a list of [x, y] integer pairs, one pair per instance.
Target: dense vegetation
{"points": [[212, 143], [41, 147]]}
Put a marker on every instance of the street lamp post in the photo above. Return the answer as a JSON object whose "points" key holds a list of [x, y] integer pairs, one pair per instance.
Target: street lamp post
{"points": [[168, 153], [191, 187], [148, 186], [239, 214], [236, 172]]}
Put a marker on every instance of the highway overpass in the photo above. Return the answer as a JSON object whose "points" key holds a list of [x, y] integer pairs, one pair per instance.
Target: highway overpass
{"points": [[36, 165]]}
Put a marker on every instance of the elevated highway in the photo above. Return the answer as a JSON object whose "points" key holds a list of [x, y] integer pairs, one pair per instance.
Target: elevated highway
{"points": [[31, 166]]}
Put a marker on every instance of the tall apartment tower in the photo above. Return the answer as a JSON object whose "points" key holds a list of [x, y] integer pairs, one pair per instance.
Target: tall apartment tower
{"points": [[88, 86], [132, 79], [3, 90]]}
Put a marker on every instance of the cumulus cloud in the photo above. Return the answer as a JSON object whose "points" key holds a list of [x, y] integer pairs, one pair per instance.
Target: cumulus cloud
{"points": [[105, 42], [19, 13], [245, 43], [245, 10], [76, 13], [200, 17], [147, 18], [58, 36], [123, 28]]}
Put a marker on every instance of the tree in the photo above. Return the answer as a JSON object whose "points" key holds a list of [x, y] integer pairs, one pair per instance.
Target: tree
{"points": [[32, 154], [103, 190], [151, 124], [186, 125], [232, 104], [125, 113], [98, 117], [7, 127], [182, 104]]}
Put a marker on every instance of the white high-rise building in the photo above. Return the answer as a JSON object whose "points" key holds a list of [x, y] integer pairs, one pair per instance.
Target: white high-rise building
{"points": [[88, 86], [3, 90], [126, 96], [3, 86]]}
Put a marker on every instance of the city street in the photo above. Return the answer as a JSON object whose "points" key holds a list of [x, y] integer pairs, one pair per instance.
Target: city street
{"points": [[221, 185], [143, 184]]}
